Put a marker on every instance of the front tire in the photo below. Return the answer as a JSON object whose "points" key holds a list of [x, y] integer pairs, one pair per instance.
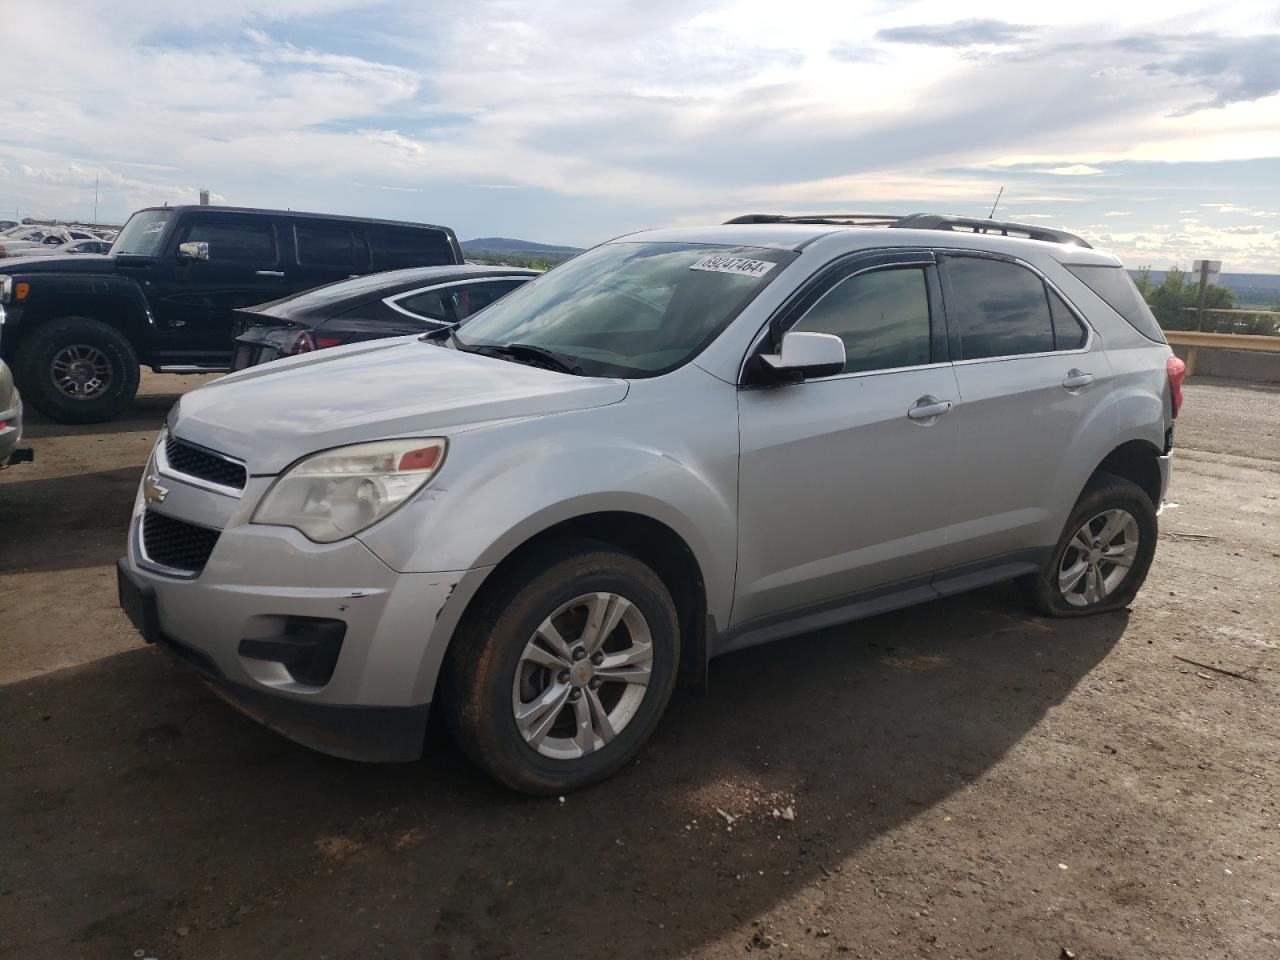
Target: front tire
{"points": [[77, 370], [563, 672], [1103, 555]]}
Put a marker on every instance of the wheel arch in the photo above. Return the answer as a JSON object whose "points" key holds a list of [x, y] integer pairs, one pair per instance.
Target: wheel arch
{"points": [[1137, 461], [116, 309], [651, 541]]}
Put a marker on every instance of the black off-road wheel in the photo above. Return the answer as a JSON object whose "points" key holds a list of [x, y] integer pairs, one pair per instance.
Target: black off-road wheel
{"points": [[77, 370], [559, 677], [1103, 555]]}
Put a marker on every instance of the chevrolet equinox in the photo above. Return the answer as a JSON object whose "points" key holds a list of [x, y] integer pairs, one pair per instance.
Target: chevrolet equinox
{"points": [[678, 444]]}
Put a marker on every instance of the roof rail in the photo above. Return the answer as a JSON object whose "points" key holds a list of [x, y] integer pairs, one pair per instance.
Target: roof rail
{"points": [[846, 219], [923, 221], [1004, 228]]}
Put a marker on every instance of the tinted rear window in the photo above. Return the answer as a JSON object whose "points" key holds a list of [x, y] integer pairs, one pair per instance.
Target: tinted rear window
{"points": [[1113, 285], [394, 247], [1000, 308], [324, 245], [1067, 332]]}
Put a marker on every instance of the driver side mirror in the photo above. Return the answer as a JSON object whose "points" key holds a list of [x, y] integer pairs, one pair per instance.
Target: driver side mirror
{"points": [[805, 355], [197, 250]]}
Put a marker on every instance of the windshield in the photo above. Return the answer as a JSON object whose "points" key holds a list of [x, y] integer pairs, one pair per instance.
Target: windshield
{"points": [[141, 235], [629, 309]]}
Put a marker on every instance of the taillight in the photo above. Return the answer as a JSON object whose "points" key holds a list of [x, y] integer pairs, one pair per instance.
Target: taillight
{"points": [[1177, 371], [303, 341]]}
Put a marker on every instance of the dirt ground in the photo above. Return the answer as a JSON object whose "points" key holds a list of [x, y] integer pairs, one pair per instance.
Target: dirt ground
{"points": [[966, 780]]}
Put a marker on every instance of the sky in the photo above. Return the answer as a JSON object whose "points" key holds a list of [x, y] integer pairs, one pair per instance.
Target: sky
{"points": [[1153, 130]]}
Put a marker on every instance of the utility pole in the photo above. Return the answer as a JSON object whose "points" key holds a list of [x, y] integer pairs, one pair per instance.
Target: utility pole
{"points": [[95, 198]]}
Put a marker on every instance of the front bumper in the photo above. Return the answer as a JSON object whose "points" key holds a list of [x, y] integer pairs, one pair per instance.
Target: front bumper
{"points": [[352, 732], [371, 699], [11, 435]]}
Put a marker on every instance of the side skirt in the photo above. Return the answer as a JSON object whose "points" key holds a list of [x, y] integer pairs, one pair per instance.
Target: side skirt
{"points": [[882, 599]]}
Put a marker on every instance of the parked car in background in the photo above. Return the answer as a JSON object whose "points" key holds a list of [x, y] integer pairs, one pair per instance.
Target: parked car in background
{"points": [[681, 443], [390, 304], [79, 326], [24, 239], [70, 248], [10, 421]]}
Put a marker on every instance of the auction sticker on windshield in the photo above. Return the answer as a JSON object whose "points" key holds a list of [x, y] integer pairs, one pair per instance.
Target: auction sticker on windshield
{"points": [[740, 265]]}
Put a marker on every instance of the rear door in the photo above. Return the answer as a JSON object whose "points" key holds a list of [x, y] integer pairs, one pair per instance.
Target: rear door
{"points": [[327, 251], [843, 481], [194, 304], [1031, 377]]}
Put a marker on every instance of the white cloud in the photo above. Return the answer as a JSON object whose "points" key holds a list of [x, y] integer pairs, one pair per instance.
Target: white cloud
{"points": [[576, 121]]}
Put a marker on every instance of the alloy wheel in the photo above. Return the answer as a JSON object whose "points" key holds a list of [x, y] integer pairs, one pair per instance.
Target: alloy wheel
{"points": [[1098, 558], [81, 371], [582, 675]]}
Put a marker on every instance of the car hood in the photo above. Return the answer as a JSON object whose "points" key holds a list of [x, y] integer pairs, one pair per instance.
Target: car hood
{"points": [[66, 263], [270, 415]]}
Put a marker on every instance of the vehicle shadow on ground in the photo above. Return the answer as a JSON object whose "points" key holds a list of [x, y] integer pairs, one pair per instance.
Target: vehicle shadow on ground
{"points": [[145, 814], [146, 412], [60, 523]]}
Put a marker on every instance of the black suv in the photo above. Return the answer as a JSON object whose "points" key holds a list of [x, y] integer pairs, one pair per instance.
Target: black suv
{"points": [[76, 328]]}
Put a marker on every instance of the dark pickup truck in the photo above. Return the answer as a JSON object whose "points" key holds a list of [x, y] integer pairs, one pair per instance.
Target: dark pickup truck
{"points": [[77, 328]]}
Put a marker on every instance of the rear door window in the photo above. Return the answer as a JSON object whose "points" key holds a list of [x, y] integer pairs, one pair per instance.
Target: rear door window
{"points": [[471, 297], [432, 305], [999, 309], [236, 241], [1068, 334], [1114, 286], [326, 245]]}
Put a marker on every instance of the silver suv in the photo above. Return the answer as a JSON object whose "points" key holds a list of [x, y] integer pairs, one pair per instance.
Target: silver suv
{"points": [[681, 443]]}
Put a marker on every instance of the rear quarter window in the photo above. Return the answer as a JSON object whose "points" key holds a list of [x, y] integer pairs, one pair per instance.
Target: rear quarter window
{"points": [[394, 247], [1114, 286]]}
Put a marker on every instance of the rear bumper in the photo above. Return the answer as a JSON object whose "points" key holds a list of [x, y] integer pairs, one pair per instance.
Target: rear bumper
{"points": [[1166, 468], [350, 731]]}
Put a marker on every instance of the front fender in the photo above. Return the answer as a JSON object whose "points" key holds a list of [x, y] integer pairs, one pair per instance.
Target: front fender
{"points": [[106, 297], [505, 483]]}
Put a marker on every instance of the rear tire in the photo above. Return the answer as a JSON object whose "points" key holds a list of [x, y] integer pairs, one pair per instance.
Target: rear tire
{"points": [[1103, 555], [602, 702], [77, 370]]}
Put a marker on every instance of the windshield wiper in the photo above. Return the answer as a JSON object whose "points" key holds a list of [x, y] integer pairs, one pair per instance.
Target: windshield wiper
{"points": [[527, 351]]}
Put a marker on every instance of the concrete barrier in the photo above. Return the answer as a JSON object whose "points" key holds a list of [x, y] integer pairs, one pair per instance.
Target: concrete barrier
{"points": [[1227, 355]]}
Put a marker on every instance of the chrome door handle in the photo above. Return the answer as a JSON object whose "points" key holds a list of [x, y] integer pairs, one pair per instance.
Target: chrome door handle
{"points": [[1077, 379], [270, 273], [929, 408]]}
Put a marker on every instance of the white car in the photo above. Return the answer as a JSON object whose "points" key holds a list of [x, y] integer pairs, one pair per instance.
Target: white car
{"points": [[59, 250]]}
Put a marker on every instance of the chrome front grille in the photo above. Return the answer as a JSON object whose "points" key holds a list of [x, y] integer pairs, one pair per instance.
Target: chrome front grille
{"points": [[204, 465]]}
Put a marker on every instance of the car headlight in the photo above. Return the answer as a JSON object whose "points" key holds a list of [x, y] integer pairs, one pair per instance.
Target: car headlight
{"points": [[332, 495]]}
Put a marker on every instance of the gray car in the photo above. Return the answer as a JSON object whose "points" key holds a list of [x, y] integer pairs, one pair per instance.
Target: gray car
{"points": [[681, 443]]}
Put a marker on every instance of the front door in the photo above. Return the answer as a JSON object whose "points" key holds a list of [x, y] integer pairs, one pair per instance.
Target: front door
{"points": [[193, 299], [844, 480]]}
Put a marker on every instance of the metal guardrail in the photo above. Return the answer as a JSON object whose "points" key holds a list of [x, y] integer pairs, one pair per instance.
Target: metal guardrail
{"points": [[1223, 341], [1195, 341]]}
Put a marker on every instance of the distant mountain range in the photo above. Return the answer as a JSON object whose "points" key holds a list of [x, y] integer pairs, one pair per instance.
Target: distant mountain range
{"points": [[509, 245]]}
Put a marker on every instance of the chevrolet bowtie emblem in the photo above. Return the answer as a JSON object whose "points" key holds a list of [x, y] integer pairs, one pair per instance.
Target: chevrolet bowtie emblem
{"points": [[152, 492]]}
